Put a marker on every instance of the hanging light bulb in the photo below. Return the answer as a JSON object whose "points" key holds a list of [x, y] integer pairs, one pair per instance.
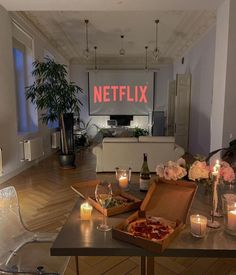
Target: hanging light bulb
{"points": [[156, 52], [146, 58], [86, 51], [122, 50], [95, 58]]}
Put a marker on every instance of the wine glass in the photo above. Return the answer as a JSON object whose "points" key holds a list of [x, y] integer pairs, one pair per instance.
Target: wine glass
{"points": [[103, 195]]}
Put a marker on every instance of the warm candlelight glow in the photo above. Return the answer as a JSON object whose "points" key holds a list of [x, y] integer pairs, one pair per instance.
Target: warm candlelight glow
{"points": [[198, 225], [232, 218], [86, 211], [216, 168], [123, 181]]}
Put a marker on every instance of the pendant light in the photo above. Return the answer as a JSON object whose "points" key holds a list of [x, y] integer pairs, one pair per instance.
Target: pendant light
{"points": [[122, 50], [156, 52], [95, 58], [86, 51], [146, 58]]}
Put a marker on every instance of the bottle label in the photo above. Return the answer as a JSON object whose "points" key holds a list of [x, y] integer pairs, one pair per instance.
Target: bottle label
{"points": [[144, 184]]}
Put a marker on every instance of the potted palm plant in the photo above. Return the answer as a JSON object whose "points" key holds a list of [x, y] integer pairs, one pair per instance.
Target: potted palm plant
{"points": [[58, 99]]}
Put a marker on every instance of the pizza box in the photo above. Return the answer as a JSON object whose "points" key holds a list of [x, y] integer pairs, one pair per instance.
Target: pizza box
{"points": [[168, 200], [86, 190]]}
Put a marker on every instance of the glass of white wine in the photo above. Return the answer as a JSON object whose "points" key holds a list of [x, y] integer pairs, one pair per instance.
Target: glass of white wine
{"points": [[103, 195]]}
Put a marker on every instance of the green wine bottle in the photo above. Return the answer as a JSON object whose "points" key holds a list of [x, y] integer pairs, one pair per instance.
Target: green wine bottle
{"points": [[145, 176]]}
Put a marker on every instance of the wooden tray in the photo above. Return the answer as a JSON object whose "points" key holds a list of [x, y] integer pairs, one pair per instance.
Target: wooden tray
{"points": [[87, 190]]}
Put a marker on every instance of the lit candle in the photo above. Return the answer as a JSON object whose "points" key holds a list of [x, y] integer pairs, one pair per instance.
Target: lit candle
{"points": [[217, 165], [216, 168], [215, 173], [123, 181], [232, 219], [198, 225], [86, 211]]}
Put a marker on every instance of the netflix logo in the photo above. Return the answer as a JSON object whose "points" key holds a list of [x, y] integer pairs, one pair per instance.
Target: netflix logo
{"points": [[106, 94]]}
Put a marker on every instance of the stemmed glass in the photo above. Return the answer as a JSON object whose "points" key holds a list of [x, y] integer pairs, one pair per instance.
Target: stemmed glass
{"points": [[103, 195]]}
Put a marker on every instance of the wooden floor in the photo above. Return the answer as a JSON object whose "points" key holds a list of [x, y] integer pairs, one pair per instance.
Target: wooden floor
{"points": [[46, 199]]}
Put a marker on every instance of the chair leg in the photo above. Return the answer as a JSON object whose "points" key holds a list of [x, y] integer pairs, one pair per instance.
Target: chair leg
{"points": [[77, 264]]}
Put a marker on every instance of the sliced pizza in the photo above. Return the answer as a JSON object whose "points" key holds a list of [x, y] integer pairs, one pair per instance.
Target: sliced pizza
{"points": [[151, 228]]}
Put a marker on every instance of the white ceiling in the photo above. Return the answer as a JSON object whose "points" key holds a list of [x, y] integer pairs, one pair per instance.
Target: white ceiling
{"points": [[103, 5], [182, 23]]}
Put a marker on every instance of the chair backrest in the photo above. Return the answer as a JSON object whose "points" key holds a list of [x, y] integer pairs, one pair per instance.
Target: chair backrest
{"points": [[13, 234]]}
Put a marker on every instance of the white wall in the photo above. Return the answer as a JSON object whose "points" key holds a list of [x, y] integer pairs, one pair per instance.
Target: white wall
{"points": [[229, 126], [163, 76], [199, 62], [9, 138], [79, 75], [221, 53]]}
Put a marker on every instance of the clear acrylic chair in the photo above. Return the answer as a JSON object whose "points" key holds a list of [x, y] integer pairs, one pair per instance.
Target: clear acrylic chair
{"points": [[22, 251]]}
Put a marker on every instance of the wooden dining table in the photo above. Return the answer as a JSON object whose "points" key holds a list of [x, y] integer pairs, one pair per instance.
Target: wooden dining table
{"points": [[81, 238]]}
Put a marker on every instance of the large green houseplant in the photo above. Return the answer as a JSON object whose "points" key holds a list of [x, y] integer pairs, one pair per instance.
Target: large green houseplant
{"points": [[52, 93]]}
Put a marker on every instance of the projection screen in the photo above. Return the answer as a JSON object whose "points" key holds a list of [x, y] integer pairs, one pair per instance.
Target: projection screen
{"points": [[120, 92]]}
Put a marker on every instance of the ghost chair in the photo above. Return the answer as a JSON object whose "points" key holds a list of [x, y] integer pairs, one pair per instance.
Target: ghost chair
{"points": [[23, 251]]}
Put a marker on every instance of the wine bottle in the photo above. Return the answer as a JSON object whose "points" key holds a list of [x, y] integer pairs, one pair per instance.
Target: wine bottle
{"points": [[145, 176]]}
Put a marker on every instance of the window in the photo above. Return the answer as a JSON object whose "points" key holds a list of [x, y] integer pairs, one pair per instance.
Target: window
{"points": [[27, 116]]}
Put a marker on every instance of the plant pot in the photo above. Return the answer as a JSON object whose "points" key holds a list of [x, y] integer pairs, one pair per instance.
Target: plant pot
{"points": [[69, 123], [67, 161]]}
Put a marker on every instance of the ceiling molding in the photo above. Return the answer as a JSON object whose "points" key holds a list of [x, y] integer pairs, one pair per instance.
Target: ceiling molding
{"points": [[111, 5], [178, 31]]}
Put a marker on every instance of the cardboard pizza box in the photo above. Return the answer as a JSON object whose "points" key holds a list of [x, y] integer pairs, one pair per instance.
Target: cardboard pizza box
{"points": [[169, 200], [87, 191]]}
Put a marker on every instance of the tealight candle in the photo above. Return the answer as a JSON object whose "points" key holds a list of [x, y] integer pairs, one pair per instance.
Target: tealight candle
{"points": [[86, 211], [123, 181], [232, 219], [198, 225]]}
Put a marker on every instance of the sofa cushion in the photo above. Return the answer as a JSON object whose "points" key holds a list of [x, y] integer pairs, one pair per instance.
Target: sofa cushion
{"points": [[120, 140], [161, 139]]}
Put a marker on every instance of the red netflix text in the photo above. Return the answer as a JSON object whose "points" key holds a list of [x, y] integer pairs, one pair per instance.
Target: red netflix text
{"points": [[120, 93]]}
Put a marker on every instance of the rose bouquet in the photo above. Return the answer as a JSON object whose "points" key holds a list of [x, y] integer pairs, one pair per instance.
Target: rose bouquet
{"points": [[198, 171]]}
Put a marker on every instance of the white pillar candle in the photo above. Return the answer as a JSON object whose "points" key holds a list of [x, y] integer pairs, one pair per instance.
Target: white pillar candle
{"points": [[123, 181], [85, 211], [215, 173], [198, 225]]}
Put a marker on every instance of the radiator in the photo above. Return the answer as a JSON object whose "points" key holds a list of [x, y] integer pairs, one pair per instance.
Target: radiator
{"points": [[56, 140], [1, 171], [33, 149]]}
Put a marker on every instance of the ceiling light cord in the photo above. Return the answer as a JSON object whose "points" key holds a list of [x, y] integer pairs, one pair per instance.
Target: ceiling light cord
{"points": [[95, 58], [122, 50], [146, 58], [86, 52], [156, 51]]}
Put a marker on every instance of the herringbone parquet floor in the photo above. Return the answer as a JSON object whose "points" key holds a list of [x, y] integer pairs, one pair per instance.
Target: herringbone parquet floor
{"points": [[46, 200]]}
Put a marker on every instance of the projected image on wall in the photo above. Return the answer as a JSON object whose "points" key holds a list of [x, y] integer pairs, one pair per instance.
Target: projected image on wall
{"points": [[120, 92]]}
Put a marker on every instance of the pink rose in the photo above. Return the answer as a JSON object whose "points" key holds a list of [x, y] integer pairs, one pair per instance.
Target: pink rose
{"points": [[198, 170], [173, 171], [160, 170], [227, 174]]}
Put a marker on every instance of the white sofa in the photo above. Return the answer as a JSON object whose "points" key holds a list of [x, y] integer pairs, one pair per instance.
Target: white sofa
{"points": [[128, 152]]}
